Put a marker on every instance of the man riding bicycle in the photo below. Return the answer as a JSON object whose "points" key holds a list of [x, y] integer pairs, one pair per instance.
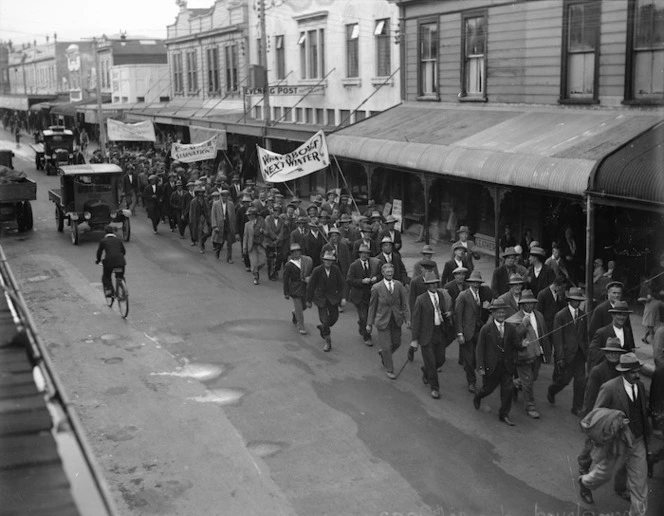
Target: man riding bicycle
{"points": [[114, 258]]}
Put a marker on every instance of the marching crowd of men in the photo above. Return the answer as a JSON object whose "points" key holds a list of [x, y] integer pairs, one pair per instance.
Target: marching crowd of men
{"points": [[529, 315]]}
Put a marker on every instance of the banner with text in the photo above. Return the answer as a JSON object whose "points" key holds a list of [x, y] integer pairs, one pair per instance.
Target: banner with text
{"points": [[189, 153], [308, 158], [138, 132], [201, 134]]}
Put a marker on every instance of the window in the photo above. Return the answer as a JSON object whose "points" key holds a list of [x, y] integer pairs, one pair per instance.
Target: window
{"points": [[312, 54], [258, 50], [344, 117], [178, 84], [580, 45], [280, 55], [360, 115], [383, 48], [231, 67], [140, 99], [164, 99], [330, 117], [352, 50], [309, 115], [276, 113], [258, 112], [192, 72], [474, 56], [320, 116], [645, 71], [428, 59], [213, 70]]}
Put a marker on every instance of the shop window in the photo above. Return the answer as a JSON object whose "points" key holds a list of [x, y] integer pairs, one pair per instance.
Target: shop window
{"points": [[312, 53], [580, 51], [352, 50], [192, 72], [645, 55], [230, 54], [383, 48], [164, 99], [280, 56], [428, 59], [474, 36], [213, 70], [178, 82]]}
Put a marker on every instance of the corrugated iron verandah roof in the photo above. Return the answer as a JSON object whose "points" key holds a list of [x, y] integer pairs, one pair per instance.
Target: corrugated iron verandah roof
{"points": [[549, 149]]}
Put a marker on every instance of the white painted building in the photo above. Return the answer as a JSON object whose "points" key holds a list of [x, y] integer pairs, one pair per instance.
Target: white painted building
{"points": [[139, 83]]}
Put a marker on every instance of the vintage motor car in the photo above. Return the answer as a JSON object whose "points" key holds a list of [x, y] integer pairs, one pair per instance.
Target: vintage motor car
{"points": [[89, 199], [56, 149], [15, 197]]}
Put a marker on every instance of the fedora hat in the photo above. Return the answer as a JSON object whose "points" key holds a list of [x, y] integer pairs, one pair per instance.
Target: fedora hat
{"points": [[345, 218], [318, 199], [302, 220], [628, 362], [620, 307], [527, 297], [537, 251], [324, 215], [509, 251], [386, 240], [296, 200], [365, 228], [245, 198], [499, 304], [613, 344], [427, 264], [215, 194], [576, 294], [178, 183], [376, 215], [333, 231], [252, 211], [363, 249], [329, 255], [463, 229], [614, 284], [458, 245], [430, 277], [295, 247], [427, 249], [516, 279], [312, 224], [225, 192], [460, 270], [475, 277], [390, 219]]}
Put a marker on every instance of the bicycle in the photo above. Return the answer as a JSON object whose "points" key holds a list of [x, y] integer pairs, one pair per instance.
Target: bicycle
{"points": [[121, 293]]}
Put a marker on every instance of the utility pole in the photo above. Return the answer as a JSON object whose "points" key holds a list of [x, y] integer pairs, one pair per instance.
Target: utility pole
{"points": [[100, 118], [263, 65]]}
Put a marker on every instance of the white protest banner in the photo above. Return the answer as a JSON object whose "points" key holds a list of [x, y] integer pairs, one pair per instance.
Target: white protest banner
{"points": [[306, 159], [189, 153], [201, 134], [138, 132]]}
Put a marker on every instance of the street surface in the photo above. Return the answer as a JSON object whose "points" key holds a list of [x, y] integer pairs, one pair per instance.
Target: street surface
{"points": [[207, 401]]}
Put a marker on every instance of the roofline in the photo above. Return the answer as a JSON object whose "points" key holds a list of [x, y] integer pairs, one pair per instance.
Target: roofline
{"points": [[91, 169]]}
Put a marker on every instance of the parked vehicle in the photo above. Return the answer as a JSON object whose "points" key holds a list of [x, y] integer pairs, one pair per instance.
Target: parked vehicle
{"points": [[89, 199], [55, 150], [15, 197]]}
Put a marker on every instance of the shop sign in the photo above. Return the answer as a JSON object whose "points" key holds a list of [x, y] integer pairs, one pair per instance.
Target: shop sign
{"points": [[284, 90]]}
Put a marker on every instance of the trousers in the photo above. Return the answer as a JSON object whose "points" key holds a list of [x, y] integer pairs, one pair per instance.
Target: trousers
{"points": [[107, 278], [467, 350], [299, 307], [328, 315], [433, 355], [362, 314], [499, 377], [528, 372], [575, 370], [389, 341]]}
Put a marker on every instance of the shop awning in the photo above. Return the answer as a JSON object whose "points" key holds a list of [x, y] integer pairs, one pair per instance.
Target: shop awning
{"points": [[550, 149], [633, 174], [68, 108]]}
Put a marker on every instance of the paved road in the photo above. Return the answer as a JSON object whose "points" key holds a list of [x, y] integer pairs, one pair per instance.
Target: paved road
{"points": [[207, 401]]}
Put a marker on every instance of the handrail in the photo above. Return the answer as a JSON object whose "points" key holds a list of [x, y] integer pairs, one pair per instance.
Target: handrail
{"points": [[56, 391]]}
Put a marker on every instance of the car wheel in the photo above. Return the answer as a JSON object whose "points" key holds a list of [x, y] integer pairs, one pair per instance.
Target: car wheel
{"points": [[59, 220], [28, 220], [74, 232], [20, 216]]}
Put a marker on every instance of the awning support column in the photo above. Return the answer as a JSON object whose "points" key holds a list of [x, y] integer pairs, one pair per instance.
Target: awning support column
{"points": [[426, 183], [590, 247], [497, 195], [368, 169]]}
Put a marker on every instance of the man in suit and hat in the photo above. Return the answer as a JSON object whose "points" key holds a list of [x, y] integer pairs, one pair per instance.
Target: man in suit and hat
{"points": [[497, 346], [376, 222], [458, 260], [388, 310], [550, 301], [626, 394], [539, 275], [241, 220], [366, 240], [472, 253], [324, 222], [330, 204], [175, 204], [458, 283], [501, 275], [300, 231], [130, 187], [363, 273], [313, 242], [166, 191], [339, 249], [532, 331], [224, 226], [616, 328], [297, 272], [513, 295], [418, 284], [235, 188], [431, 326], [570, 349], [276, 234], [327, 288], [388, 255], [601, 315], [389, 231], [151, 198], [199, 219], [427, 254], [253, 243], [468, 321]]}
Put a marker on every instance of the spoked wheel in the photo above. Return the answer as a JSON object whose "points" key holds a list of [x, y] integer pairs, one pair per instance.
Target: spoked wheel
{"points": [[126, 229], [74, 232], [122, 294], [59, 220]]}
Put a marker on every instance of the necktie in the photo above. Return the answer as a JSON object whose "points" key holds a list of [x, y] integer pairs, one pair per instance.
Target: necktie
{"points": [[391, 288], [477, 298], [501, 330], [436, 305], [574, 314], [366, 267], [633, 392]]}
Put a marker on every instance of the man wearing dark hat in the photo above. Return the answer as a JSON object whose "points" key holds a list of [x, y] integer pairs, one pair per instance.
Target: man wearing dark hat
{"points": [[616, 328], [349, 234], [427, 254], [458, 260], [330, 204], [166, 191], [313, 242], [601, 315], [324, 222], [497, 346], [224, 227], [432, 329], [274, 241], [327, 289], [468, 321], [389, 231], [235, 188], [241, 220], [366, 240], [532, 332], [388, 310], [501, 275], [418, 285], [298, 234], [539, 275], [550, 301], [253, 244], [297, 271], [339, 249], [472, 252], [388, 255], [113, 251], [175, 203], [512, 296], [199, 219], [130, 187], [363, 273], [570, 349], [458, 283], [627, 395]]}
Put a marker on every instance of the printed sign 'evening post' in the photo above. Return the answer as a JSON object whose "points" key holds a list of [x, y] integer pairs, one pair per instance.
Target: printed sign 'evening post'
{"points": [[189, 153], [308, 158], [138, 132]]}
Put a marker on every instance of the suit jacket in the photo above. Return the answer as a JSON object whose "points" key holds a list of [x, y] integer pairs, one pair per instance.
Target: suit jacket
{"points": [[373, 250], [535, 342], [471, 253], [185, 204], [601, 317], [545, 278], [453, 288], [235, 190], [549, 307], [295, 284], [175, 200], [342, 253], [612, 395], [467, 315], [296, 236], [595, 355], [489, 353], [166, 191], [568, 336], [396, 238], [152, 199], [418, 270], [130, 186], [416, 288], [383, 305], [323, 289], [115, 252], [509, 299], [500, 281], [254, 235], [400, 273], [423, 317], [361, 292], [449, 266], [598, 376], [312, 246], [276, 230], [221, 222]]}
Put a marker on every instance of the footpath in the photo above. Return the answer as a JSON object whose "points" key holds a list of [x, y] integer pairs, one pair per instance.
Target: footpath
{"points": [[410, 251]]}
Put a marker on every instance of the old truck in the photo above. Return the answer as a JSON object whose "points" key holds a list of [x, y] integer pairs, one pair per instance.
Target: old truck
{"points": [[15, 197], [55, 149], [89, 199]]}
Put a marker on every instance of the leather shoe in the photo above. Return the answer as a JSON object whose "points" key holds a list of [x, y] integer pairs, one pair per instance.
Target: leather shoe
{"points": [[550, 397], [391, 375], [425, 381], [328, 344], [533, 413], [472, 388], [507, 421], [476, 402], [623, 494], [368, 342], [435, 395], [585, 493]]}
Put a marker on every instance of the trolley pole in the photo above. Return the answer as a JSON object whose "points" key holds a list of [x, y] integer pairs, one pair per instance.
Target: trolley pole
{"points": [[100, 118], [263, 65]]}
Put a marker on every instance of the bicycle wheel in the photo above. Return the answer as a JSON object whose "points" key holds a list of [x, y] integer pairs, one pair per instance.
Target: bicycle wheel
{"points": [[109, 300], [122, 295]]}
